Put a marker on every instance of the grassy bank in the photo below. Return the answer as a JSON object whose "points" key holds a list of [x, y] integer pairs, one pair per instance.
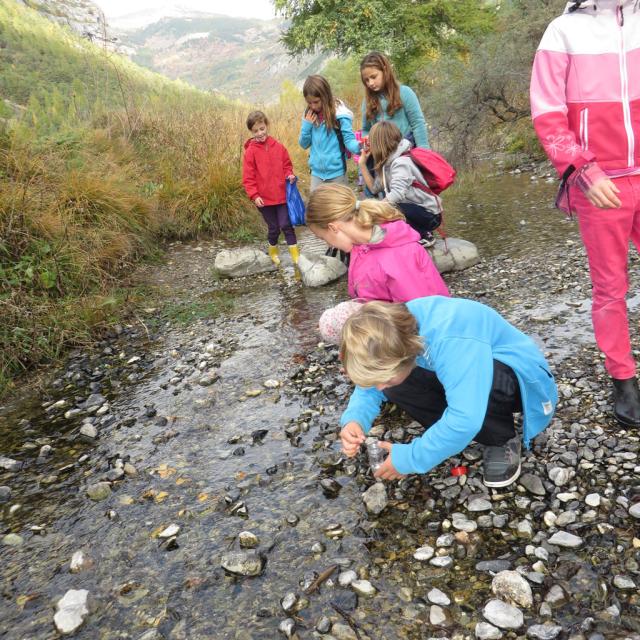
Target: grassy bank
{"points": [[100, 161]]}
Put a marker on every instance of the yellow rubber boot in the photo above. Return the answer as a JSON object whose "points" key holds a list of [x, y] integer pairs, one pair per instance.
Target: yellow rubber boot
{"points": [[295, 253], [273, 254]]}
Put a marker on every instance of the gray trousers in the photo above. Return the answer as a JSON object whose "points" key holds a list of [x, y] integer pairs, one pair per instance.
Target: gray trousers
{"points": [[316, 182]]}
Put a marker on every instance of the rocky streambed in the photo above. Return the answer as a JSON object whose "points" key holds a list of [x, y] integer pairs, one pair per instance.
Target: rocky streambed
{"points": [[183, 480]]}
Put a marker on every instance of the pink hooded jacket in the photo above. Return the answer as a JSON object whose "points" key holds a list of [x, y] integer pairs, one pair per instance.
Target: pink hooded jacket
{"points": [[397, 269]]}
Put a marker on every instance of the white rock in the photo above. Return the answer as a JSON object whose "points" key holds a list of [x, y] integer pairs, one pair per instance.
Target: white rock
{"points": [[70, 610], [89, 431], [317, 270], [245, 261], [347, 577], [623, 582], [363, 588], [271, 383], [511, 586], [593, 500], [79, 562], [424, 553], [170, 531], [375, 498], [478, 503], [435, 596], [248, 540], [635, 510], [503, 615], [9, 464], [486, 631], [457, 255], [565, 539]]}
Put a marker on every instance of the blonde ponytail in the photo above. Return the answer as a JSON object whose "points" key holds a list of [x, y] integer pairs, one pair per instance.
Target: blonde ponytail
{"points": [[333, 202]]}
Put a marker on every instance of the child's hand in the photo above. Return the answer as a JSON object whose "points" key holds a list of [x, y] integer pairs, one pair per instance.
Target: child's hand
{"points": [[259, 202], [351, 437], [387, 471], [291, 178], [311, 116], [364, 156]]}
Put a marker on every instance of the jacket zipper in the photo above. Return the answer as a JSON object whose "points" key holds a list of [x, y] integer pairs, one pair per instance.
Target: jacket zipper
{"points": [[624, 81], [584, 128]]}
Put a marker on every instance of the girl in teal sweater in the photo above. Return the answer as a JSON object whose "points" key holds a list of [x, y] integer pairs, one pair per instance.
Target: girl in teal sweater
{"points": [[386, 99]]}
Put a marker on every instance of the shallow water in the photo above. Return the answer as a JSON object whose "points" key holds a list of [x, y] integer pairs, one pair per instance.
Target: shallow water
{"points": [[193, 470]]}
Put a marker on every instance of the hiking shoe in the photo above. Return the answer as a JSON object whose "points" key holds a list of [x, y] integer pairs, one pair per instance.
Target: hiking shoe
{"points": [[501, 465]]}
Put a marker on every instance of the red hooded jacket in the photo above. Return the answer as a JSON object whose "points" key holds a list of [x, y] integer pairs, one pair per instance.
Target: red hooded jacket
{"points": [[265, 168]]}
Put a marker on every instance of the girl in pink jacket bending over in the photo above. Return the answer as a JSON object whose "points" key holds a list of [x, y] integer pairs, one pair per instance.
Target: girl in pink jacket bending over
{"points": [[387, 262], [585, 103]]}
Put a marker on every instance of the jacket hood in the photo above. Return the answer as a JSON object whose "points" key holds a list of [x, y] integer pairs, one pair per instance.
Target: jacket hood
{"points": [[403, 147], [600, 5], [342, 111], [396, 234]]}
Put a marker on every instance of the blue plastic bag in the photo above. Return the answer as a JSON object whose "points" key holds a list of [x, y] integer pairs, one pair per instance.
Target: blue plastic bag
{"points": [[295, 204]]}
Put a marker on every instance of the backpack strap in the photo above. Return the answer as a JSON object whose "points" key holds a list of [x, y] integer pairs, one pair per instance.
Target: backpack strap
{"points": [[343, 148]]}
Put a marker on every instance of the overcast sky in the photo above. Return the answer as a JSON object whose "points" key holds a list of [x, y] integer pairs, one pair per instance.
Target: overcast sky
{"points": [[246, 8]]}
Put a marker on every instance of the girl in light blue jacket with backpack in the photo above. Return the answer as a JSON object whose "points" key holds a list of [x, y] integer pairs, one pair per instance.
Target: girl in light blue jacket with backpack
{"points": [[327, 128]]}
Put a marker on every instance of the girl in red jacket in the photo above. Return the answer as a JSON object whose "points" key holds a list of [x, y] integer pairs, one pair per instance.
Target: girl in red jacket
{"points": [[265, 169]]}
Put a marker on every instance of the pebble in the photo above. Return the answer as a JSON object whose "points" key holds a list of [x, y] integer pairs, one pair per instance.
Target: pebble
{"points": [[565, 539], [347, 577], [533, 484], [435, 596], [623, 582], [12, 540], [363, 588], [71, 610], [287, 627], [79, 562], [424, 553], [486, 631], [512, 587], [89, 431], [503, 615], [634, 511], [9, 464], [443, 562], [438, 616], [375, 498], [242, 563], [478, 503], [169, 532], [593, 500], [99, 491], [546, 631], [248, 540]]}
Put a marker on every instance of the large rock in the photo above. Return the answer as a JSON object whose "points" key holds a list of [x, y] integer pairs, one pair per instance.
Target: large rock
{"points": [[511, 586], [71, 610], [375, 498], [244, 261], [503, 615], [457, 255], [319, 270]]}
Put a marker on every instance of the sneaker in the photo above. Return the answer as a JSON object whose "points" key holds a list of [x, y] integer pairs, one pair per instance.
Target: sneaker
{"points": [[427, 242], [501, 465]]}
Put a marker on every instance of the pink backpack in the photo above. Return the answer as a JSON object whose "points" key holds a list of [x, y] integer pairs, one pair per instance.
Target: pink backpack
{"points": [[436, 171]]}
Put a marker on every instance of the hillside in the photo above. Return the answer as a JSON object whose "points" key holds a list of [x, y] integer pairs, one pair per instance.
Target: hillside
{"points": [[238, 57]]}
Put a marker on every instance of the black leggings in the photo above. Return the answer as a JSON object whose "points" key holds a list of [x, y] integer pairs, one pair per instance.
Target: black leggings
{"points": [[423, 220], [422, 396]]}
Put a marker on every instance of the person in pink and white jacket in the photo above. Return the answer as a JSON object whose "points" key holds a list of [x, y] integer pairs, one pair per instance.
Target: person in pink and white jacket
{"points": [[585, 104], [386, 260]]}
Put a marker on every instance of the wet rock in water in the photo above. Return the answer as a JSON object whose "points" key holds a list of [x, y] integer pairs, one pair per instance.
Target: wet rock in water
{"points": [[79, 562], [169, 532], [99, 491], [259, 435], [424, 553], [71, 610], [555, 595], [5, 493], [248, 540], [533, 484], [493, 566], [289, 602], [341, 631], [565, 539], [512, 587], [208, 380], [503, 615], [634, 511], [287, 627], [435, 596], [347, 577], [486, 631], [9, 464], [439, 617], [478, 503], [346, 600], [375, 498], [546, 631], [323, 626], [623, 582], [330, 487], [271, 383], [243, 563], [244, 261], [292, 519], [318, 270], [456, 255], [12, 540], [363, 588], [152, 634]]}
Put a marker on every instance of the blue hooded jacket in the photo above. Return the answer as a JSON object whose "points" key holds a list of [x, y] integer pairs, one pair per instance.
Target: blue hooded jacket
{"points": [[462, 338], [325, 159]]}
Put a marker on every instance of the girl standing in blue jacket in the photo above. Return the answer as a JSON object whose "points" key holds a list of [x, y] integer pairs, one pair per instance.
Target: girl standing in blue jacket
{"points": [[458, 368], [386, 99], [327, 128]]}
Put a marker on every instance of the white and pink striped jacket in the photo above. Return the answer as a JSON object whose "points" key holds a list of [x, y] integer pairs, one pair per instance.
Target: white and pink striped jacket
{"points": [[585, 88]]}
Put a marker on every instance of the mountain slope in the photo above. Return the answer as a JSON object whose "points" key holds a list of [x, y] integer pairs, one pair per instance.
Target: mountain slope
{"points": [[239, 57]]}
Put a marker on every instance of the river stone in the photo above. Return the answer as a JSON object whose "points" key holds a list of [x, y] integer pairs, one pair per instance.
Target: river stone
{"points": [[341, 631], [442, 562], [287, 627], [79, 562], [435, 596], [593, 500], [503, 615], [99, 491], [546, 631], [424, 553], [533, 484], [624, 582], [493, 566], [9, 464], [12, 540], [486, 631], [71, 609], [88, 431], [512, 587], [289, 602], [375, 498], [439, 617], [317, 270], [242, 563], [363, 588], [169, 532], [347, 577], [323, 626], [565, 539], [5, 493], [478, 503], [248, 540], [635, 510], [456, 255], [555, 595], [243, 261]]}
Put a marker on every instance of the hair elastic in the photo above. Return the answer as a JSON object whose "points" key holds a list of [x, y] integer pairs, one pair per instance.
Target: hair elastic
{"points": [[357, 205]]}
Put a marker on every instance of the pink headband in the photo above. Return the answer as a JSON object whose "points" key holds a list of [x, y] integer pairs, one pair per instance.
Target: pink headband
{"points": [[333, 319]]}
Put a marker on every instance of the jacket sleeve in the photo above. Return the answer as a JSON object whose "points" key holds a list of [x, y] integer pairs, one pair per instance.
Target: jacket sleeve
{"points": [[249, 181], [415, 117], [363, 408], [464, 366], [305, 134], [400, 179], [366, 125], [350, 142], [549, 104]]}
